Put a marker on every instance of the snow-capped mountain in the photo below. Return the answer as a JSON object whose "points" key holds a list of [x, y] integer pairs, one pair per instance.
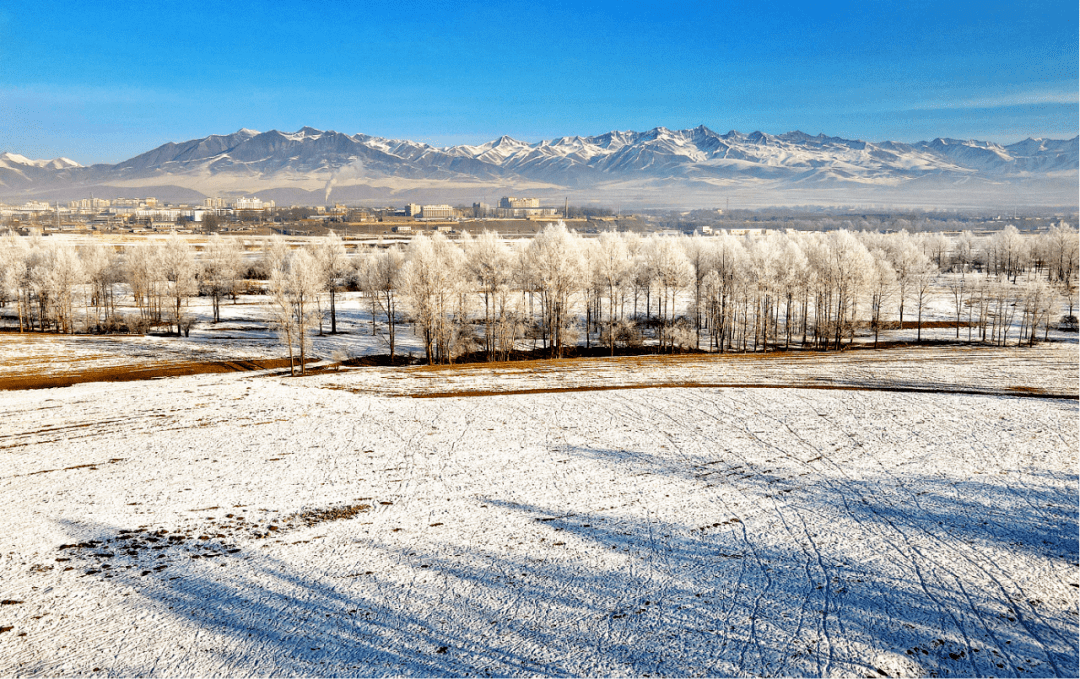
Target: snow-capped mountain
{"points": [[309, 165], [16, 170]]}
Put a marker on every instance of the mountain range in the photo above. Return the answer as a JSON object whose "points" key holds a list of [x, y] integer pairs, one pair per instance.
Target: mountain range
{"points": [[659, 167]]}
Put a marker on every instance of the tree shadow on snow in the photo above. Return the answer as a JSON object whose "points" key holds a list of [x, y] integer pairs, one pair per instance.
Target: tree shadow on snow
{"points": [[608, 593]]}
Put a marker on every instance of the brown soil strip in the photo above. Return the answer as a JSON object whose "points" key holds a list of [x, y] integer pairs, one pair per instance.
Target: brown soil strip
{"points": [[81, 425], [926, 325], [90, 465], [1026, 392], [535, 363], [131, 373]]}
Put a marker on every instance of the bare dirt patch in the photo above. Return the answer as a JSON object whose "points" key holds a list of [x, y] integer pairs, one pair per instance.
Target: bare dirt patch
{"points": [[131, 373], [1011, 391]]}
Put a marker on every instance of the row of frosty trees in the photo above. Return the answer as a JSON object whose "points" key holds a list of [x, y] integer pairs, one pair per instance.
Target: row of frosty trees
{"points": [[723, 293]]}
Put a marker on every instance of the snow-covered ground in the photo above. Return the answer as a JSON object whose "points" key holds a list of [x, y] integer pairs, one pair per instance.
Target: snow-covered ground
{"points": [[252, 525], [1046, 370]]}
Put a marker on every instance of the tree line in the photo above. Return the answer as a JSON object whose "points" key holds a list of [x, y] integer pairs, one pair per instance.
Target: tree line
{"points": [[483, 294]]}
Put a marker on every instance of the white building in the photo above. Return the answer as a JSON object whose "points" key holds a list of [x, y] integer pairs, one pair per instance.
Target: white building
{"points": [[252, 203], [159, 215], [436, 212], [510, 206], [89, 204], [512, 203]]}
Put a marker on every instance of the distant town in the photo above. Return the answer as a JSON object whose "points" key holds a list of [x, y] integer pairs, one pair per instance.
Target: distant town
{"points": [[252, 214]]}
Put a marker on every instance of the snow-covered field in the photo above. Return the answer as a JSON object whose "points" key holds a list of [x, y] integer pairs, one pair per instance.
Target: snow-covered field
{"points": [[333, 525]]}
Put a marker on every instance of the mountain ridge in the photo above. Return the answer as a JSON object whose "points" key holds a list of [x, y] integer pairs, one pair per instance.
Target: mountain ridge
{"points": [[698, 163]]}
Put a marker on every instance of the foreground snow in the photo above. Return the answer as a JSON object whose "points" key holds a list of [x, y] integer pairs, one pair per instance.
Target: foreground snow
{"points": [[251, 525]]}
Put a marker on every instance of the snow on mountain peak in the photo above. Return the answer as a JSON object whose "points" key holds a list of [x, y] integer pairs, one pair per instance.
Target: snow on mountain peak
{"points": [[8, 159], [697, 155]]}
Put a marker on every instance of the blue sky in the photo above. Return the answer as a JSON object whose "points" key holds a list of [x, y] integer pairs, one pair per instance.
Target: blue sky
{"points": [[103, 81]]}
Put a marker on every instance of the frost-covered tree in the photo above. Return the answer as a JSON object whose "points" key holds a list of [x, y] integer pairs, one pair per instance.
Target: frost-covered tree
{"points": [[610, 266], [936, 247], [670, 273], [959, 288], [727, 268], [1007, 252], [178, 270], [101, 266], [142, 267], [882, 285], [291, 303], [793, 278], [1038, 300], [333, 267], [591, 287], [55, 271], [763, 266], [490, 269], [555, 265], [434, 283], [275, 250], [221, 264], [1062, 247], [923, 278], [1062, 252], [852, 266], [698, 254], [382, 277], [14, 276], [965, 251], [907, 259]]}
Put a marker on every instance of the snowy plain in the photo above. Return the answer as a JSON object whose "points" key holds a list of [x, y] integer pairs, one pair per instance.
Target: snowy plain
{"points": [[254, 524], [904, 512]]}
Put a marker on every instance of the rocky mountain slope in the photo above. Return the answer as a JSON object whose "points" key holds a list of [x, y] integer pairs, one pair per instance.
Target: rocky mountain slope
{"points": [[659, 166]]}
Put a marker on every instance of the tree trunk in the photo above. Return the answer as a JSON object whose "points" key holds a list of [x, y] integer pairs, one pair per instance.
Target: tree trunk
{"points": [[333, 312]]}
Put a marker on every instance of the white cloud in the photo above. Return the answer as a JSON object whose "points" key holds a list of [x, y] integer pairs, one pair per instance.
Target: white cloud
{"points": [[1004, 100]]}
